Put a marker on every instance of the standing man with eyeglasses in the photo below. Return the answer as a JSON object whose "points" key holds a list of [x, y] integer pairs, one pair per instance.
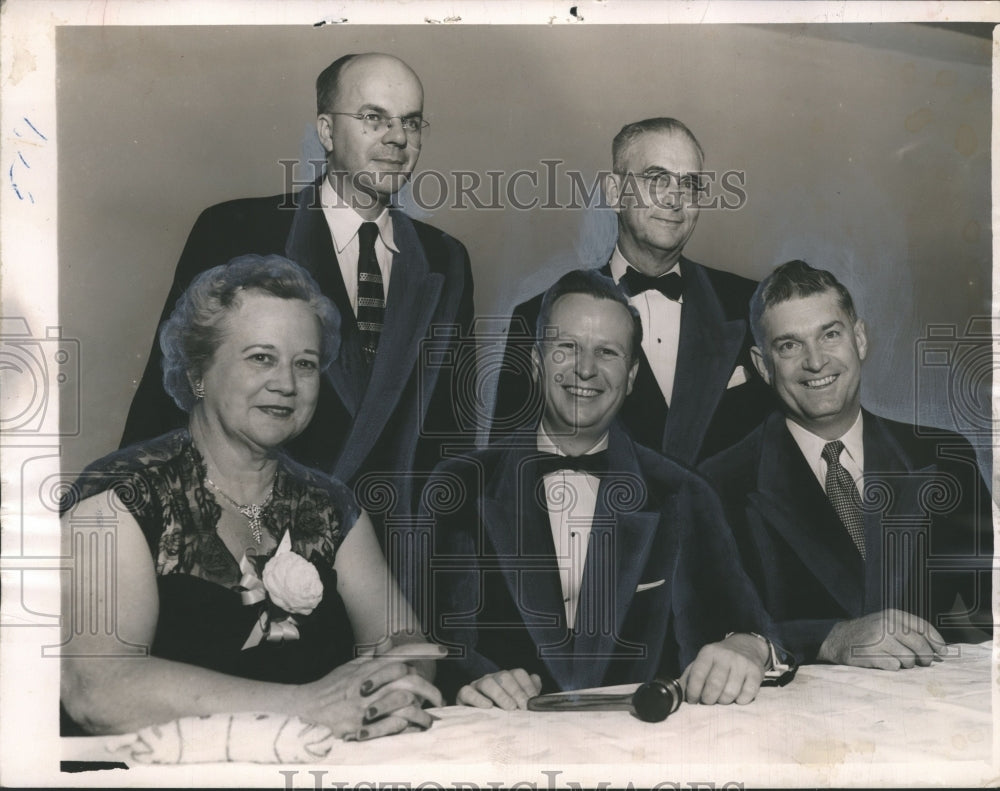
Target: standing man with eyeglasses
{"points": [[394, 280], [696, 391]]}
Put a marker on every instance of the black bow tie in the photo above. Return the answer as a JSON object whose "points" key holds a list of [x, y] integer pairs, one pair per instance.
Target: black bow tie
{"points": [[593, 463], [635, 282]]}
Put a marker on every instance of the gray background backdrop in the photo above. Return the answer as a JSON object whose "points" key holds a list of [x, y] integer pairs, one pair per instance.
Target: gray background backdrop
{"points": [[866, 150]]}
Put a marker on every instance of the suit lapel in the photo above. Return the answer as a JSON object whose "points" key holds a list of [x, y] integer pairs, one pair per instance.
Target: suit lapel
{"points": [[892, 508], [791, 499], [620, 542], [413, 296], [309, 244], [518, 528], [707, 351]]}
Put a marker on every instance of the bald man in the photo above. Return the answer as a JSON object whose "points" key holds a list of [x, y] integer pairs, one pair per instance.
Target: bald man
{"points": [[393, 279]]}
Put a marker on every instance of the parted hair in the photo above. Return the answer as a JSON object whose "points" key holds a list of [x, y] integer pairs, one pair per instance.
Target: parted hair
{"points": [[794, 279], [194, 330]]}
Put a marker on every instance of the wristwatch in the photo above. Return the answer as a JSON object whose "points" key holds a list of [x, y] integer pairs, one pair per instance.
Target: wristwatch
{"points": [[781, 666]]}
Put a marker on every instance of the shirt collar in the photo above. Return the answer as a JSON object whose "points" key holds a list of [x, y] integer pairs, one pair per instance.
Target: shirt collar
{"points": [[546, 444], [344, 221], [812, 445], [619, 265]]}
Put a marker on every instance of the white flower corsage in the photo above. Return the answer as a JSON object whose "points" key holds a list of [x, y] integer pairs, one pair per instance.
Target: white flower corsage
{"points": [[293, 583], [291, 586]]}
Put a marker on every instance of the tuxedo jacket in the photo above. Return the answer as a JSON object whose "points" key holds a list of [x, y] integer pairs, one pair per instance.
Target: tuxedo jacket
{"points": [[392, 420], [661, 577], [717, 398], [928, 530]]}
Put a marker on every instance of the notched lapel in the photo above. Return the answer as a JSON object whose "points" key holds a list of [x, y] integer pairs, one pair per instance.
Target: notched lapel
{"points": [[892, 505], [309, 244], [790, 499]]}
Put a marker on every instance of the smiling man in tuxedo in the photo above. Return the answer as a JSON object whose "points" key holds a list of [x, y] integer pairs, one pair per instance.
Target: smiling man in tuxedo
{"points": [[695, 391], [394, 280], [570, 556], [869, 541]]}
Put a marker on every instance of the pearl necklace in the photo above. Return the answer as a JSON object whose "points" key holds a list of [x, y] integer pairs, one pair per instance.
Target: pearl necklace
{"points": [[253, 511]]}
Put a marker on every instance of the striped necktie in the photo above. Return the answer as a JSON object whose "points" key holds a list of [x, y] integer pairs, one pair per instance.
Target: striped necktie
{"points": [[371, 294], [843, 494]]}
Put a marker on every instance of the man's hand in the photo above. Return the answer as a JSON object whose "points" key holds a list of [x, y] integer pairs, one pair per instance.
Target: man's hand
{"points": [[727, 671], [886, 640], [508, 689]]}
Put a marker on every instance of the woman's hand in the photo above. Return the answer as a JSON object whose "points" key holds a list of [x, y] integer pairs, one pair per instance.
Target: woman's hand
{"points": [[373, 696]]}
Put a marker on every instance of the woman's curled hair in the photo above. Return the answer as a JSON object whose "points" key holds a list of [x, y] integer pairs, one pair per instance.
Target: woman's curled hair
{"points": [[194, 330]]}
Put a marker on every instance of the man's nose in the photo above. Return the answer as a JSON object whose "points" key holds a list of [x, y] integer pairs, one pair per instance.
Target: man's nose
{"points": [[814, 358], [586, 363], [394, 133], [672, 197]]}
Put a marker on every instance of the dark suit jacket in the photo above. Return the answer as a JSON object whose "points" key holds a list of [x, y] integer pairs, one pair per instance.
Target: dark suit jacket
{"points": [[392, 422], [360, 424], [704, 416], [927, 524], [496, 596]]}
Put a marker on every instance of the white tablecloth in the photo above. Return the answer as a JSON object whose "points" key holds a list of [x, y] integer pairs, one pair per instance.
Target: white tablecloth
{"points": [[830, 726]]}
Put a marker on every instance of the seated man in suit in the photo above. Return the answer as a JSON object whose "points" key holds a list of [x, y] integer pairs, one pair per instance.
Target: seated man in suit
{"points": [[695, 391], [572, 557], [860, 533], [381, 408]]}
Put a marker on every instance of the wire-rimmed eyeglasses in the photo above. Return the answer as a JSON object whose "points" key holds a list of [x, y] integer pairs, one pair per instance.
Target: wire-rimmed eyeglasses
{"points": [[377, 123], [665, 184]]}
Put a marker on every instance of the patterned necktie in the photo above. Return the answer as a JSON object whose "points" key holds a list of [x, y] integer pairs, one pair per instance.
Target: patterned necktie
{"points": [[843, 494], [371, 295], [671, 285]]}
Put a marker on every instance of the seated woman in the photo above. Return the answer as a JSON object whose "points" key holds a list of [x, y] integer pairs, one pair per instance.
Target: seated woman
{"points": [[254, 581]]}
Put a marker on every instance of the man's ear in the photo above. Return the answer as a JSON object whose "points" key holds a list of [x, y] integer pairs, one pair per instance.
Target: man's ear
{"points": [[760, 363], [861, 338], [631, 376], [613, 190], [536, 363], [324, 130]]}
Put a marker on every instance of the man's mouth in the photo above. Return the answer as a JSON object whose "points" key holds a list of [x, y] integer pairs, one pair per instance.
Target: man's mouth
{"points": [[582, 392], [813, 384]]}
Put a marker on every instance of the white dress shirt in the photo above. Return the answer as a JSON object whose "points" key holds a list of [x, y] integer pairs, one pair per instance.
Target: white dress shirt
{"points": [[852, 457], [571, 499], [661, 326], [344, 223]]}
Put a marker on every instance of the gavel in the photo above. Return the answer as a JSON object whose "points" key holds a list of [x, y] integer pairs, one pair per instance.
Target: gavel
{"points": [[653, 701]]}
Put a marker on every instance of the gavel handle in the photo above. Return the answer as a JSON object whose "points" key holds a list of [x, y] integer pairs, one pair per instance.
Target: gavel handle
{"points": [[575, 701]]}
